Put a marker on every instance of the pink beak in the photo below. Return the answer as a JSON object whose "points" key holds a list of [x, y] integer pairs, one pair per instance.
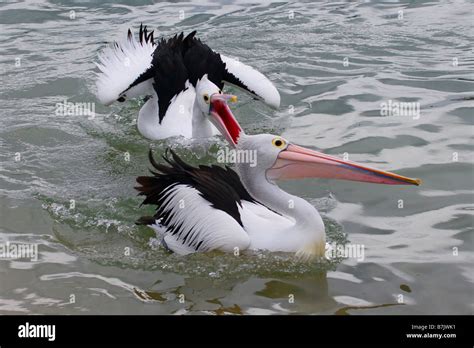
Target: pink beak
{"points": [[297, 162]]}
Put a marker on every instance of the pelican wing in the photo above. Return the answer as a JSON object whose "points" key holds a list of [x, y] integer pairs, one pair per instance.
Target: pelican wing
{"points": [[122, 64], [250, 80], [200, 59], [189, 223], [170, 75], [197, 208]]}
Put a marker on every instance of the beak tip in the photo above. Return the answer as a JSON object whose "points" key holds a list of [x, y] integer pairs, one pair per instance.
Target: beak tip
{"points": [[418, 182]]}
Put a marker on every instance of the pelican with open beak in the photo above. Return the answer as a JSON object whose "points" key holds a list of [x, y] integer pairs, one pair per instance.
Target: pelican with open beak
{"points": [[177, 75], [214, 208]]}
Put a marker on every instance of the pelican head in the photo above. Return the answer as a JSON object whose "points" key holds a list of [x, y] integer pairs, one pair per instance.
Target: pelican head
{"points": [[279, 159], [213, 104]]}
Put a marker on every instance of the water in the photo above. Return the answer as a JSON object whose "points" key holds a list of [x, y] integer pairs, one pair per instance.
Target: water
{"points": [[71, 191]]}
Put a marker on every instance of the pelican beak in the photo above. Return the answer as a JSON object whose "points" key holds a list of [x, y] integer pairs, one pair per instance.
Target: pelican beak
{"points": [[297, 162], [222, 117]]}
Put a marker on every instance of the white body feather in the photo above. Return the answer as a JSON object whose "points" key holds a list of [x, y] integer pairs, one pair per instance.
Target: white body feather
{"points": [[177, 120]]}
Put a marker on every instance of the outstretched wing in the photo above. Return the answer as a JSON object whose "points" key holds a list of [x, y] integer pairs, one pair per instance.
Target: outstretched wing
{"points": [[250, 80], [197, 208], [200, 59], [122, 64]]}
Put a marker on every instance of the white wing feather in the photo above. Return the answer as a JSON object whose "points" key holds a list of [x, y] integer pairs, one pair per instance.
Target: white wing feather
{"points": [[120, 64], [208, 227]]}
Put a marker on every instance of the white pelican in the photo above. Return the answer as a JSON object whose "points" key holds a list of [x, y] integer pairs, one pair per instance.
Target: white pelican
{"points": [[214, 208], [178, 75]]}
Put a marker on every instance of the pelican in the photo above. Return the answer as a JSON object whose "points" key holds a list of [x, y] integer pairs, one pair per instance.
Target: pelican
{"points": [[179, 76], [206, 208]]}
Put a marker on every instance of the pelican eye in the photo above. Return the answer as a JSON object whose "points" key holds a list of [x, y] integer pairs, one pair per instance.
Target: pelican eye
{"points": [[278, 142], [206, 98]]}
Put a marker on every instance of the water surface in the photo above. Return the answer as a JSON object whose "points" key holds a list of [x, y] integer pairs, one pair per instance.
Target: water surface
{"points": [[334, 63]]}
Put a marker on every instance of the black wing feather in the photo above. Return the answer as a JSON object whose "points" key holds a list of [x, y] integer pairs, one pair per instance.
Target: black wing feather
{"points": [[219, 186], [170, 75]]}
